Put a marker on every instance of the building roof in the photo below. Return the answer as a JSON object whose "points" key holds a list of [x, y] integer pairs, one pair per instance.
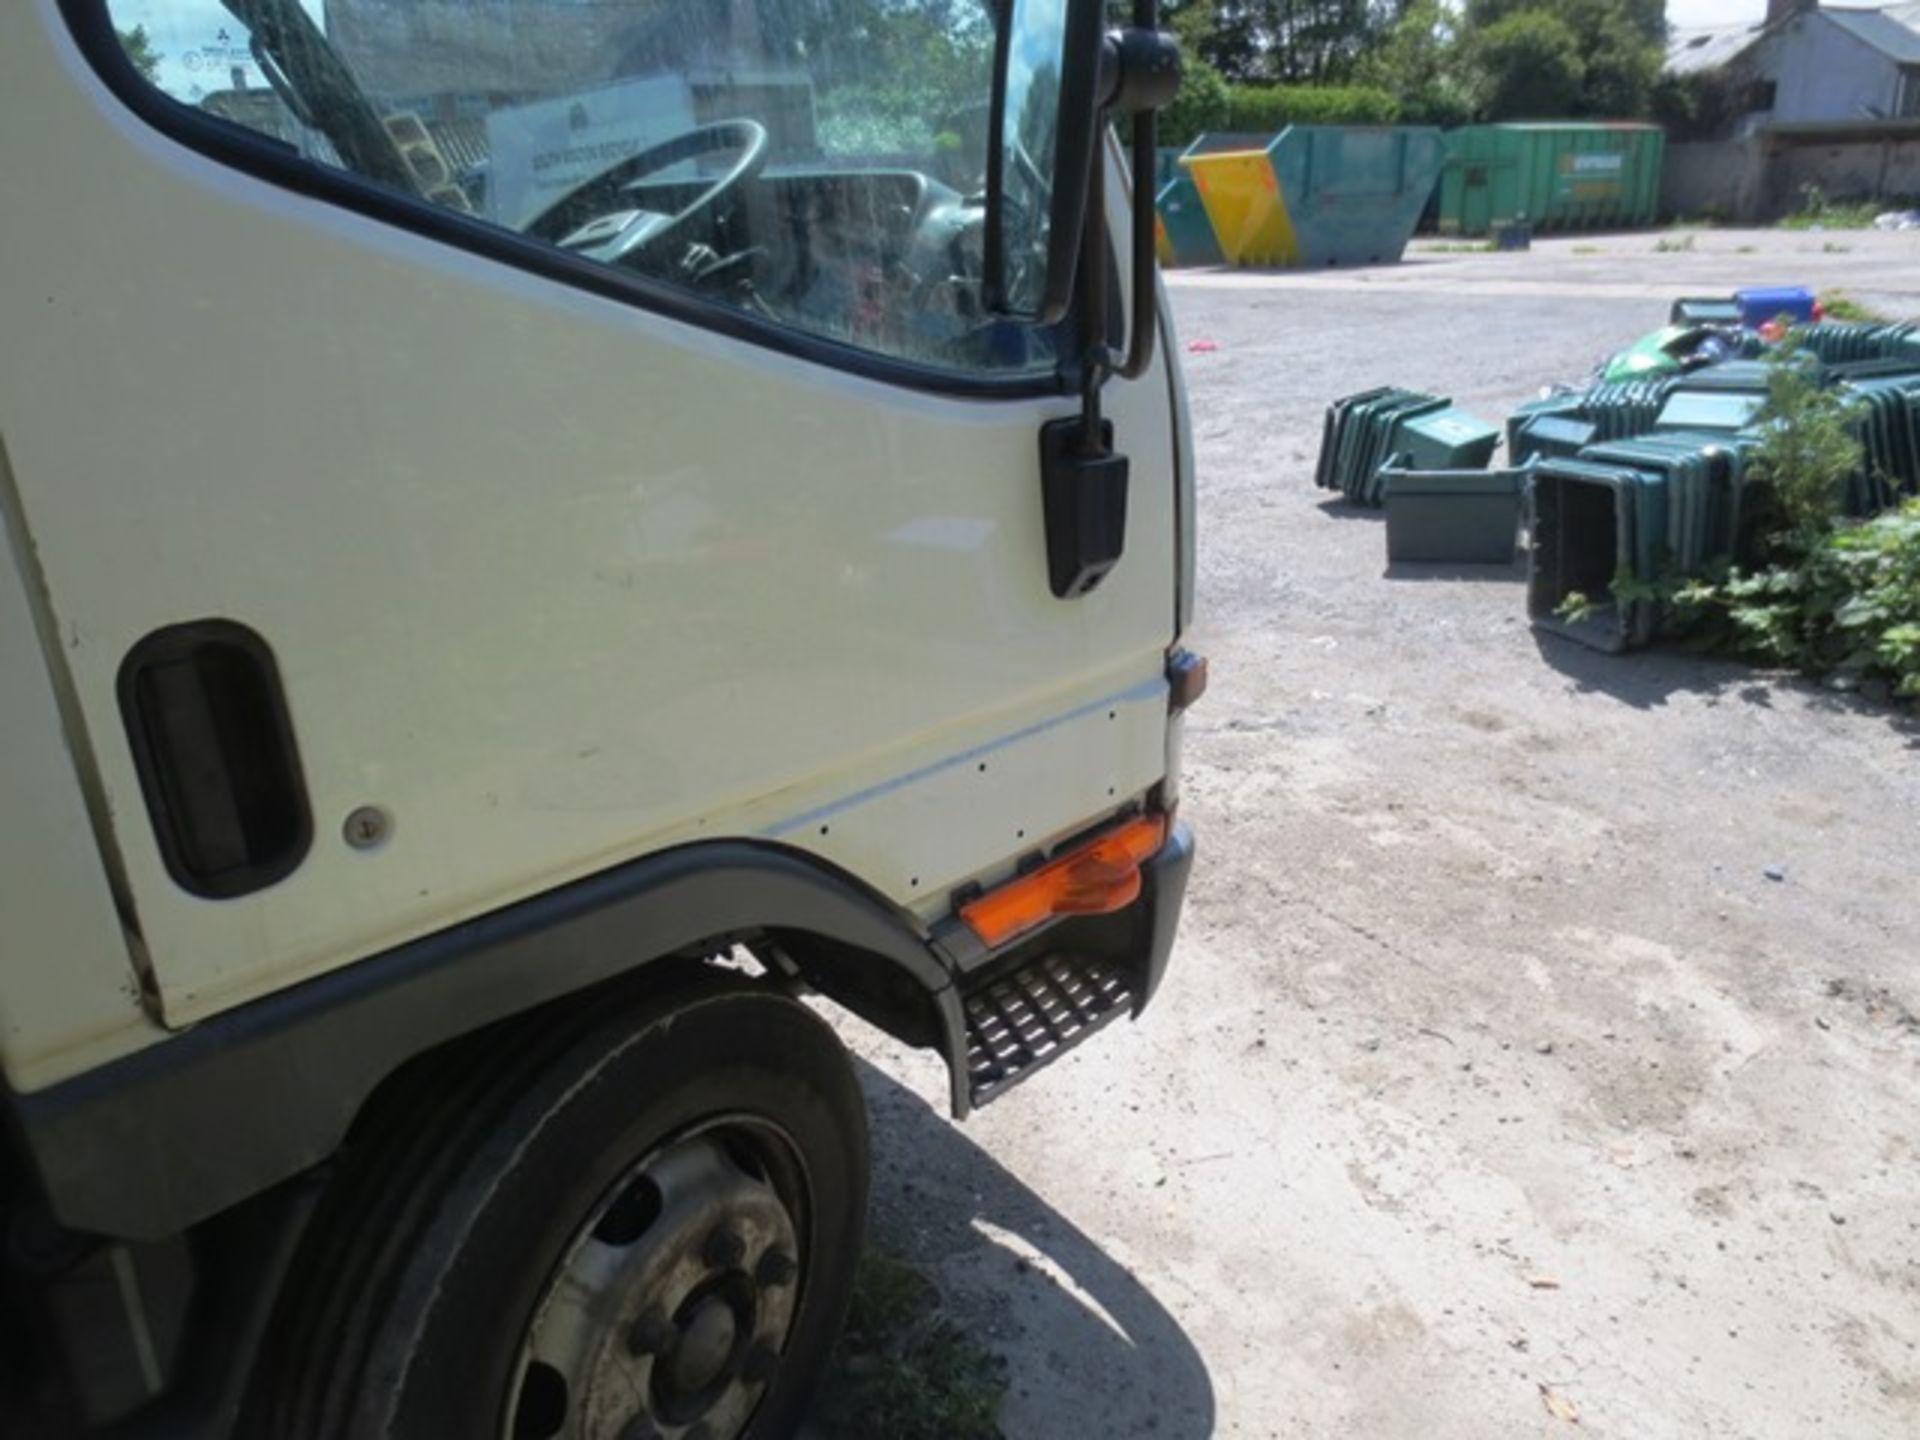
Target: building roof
{"points": [[1881, 29], [1708, 47]]}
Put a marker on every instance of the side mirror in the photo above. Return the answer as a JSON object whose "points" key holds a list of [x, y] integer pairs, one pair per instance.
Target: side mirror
{"points": [[1045, 127], [1061, 76]]}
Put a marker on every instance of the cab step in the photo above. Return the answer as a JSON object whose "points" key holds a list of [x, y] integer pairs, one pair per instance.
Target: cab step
{"points": [[1021, 1021]]}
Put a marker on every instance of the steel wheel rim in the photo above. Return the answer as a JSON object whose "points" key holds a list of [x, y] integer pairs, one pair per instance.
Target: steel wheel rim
{"points": [[668, 1312]]}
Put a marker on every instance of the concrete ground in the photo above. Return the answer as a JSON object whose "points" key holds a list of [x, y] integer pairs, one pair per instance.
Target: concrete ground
{"points": [[1497, 1080]]}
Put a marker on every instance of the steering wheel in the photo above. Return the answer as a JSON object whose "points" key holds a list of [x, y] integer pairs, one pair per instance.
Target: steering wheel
{"points": [[599, 217]]}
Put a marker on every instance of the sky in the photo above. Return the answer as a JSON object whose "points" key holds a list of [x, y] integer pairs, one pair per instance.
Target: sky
{"points": [[1683, 14]]}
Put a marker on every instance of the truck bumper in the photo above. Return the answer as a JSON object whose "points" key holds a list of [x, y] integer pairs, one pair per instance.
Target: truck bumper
{"points": [[1163, 892], [1020, 1009]]}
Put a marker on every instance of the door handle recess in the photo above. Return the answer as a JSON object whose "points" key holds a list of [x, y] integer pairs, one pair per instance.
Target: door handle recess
{"points": [[213, 745]]}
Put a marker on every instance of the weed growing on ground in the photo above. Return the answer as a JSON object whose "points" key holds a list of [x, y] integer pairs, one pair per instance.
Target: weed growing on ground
{"points": [[903, 1370], [1850, 603], [1816, 212], [1839, 305], [1808, 448], [1673, 245]]}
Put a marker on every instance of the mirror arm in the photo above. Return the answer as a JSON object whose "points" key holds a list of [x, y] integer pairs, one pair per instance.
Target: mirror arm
{"points": [[1097, 361], [1147, 76], [1139, 74], [1144, 303]]}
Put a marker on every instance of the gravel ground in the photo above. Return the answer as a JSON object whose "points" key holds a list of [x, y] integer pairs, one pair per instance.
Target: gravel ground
{"points": [[1541, 1040]]}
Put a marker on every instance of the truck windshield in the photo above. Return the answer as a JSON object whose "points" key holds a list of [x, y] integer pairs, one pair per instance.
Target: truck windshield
{"points": [[820, 163]]}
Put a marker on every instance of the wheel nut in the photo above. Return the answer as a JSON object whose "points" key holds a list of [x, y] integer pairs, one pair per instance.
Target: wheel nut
{"points": [[652, 1334], [760, 1364], [725, 1249], [775, 1269]]}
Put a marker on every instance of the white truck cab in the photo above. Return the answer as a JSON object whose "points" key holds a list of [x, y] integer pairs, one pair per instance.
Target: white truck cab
{"points": [[531, 533]]}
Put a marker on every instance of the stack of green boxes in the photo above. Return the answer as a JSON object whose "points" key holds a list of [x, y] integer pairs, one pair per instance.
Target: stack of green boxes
{"points": [[1654, 507], [1591, 524], [1889, 421], [1727, 397], [1551, 427], [1624, 407], [1836, 343], [1560, 425], [1426, 432]]}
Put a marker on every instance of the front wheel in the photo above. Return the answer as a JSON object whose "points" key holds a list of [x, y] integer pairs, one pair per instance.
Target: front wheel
{"points": [[640, 1227]]}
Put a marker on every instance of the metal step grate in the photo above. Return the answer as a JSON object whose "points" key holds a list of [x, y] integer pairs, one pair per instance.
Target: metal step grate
{"points": [[1023, 1021]]}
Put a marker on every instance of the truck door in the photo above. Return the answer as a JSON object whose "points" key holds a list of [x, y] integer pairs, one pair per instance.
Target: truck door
{"points": [[465, 446]]}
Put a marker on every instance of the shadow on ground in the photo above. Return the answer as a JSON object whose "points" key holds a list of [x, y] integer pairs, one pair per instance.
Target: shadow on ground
{"points": [[1646, 679], [1341, 508], [1088, 1350]]}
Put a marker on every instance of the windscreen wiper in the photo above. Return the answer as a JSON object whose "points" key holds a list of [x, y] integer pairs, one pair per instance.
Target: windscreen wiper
{"points": [[308, 64]]}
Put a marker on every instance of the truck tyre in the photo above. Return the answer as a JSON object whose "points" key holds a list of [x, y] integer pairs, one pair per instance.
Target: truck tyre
{"points": [[630, 1226]]}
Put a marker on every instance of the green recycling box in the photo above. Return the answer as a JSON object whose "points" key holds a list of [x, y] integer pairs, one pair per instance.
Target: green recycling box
{"points": [[1461, 517], [1449, 439]]}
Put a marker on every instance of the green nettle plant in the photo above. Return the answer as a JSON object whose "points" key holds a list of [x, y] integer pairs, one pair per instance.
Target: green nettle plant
{"points": [[1837, 594], [1850, 603], [1809, 448], [1831, 594]]}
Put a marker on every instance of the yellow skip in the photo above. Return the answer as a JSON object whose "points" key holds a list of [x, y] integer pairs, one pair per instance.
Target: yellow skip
{"points": [[1243, 201]]}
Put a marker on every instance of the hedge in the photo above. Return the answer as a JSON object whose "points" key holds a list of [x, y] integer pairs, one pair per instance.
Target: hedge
{"points": [[1264, 108], [1207, 103]]}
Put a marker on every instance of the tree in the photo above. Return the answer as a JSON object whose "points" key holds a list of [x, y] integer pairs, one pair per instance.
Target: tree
{"points": [[1621, 70], [1443, 61], [1419, 62], [1290, 41], [1527, 65], [139, 47], [1204, 103], [1646, 19], [1615, 55], [1701, 106]]}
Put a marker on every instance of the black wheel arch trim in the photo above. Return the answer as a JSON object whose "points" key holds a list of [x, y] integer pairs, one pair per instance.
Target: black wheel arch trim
{"points": [[150, 1144]]}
